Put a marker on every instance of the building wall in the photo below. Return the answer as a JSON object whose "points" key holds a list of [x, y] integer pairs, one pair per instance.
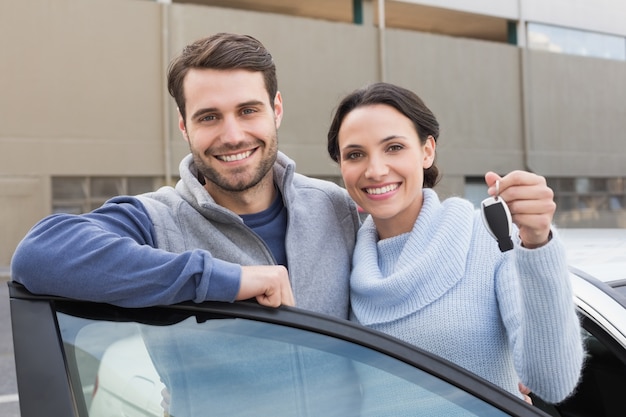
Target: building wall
{"points": [[605, 16], [83, 94]]}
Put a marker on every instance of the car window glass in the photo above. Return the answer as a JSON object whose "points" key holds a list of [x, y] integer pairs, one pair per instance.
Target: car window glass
{"points": [[600, 390], [234, 366]]}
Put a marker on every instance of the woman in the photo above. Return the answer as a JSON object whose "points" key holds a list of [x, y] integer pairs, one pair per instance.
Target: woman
{"points": [[428, 272]]}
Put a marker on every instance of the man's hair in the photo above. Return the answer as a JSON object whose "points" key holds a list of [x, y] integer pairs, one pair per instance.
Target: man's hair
{"points": [[405, 101], [222, 51]]}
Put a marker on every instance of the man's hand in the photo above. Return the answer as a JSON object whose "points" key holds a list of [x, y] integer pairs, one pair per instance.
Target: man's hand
{"points": [[530, 201], [269, 284]]}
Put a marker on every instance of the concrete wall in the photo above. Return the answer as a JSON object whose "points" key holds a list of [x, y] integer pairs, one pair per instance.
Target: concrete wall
{"points": [[577, 115], [83, 93], [605, 16]]}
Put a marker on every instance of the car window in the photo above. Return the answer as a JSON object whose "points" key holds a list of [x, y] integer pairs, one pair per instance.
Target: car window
{"points": [[602, 384], [236, 366]]}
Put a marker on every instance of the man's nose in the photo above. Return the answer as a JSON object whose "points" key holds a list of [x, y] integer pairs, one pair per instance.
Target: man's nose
{"points": [[232, 131]]}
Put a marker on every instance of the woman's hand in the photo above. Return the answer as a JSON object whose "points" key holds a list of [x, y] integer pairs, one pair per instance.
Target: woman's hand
{"points": [[530, 201]]}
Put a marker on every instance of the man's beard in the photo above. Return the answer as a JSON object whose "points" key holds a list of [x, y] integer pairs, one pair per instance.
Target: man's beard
{"points": [[233, 182]]}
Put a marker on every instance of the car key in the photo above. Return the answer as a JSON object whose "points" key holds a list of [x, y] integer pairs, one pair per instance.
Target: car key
{"points": [[497, 219]]}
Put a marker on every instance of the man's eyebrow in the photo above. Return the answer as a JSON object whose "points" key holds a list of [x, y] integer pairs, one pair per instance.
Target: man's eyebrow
{"points": [[205, 110], [251, 103]]}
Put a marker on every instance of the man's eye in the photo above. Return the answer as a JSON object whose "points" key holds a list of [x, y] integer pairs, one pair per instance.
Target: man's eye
{"points": [[208, 118], [248, 111]]}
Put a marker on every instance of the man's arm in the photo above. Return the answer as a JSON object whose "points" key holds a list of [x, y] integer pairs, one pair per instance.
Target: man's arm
{"points": [[108, 256]]}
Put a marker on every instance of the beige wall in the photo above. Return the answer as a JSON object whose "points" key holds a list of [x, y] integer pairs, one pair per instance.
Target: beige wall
{"points": [[81, 87], [23, 202], [83, 93], [578, 115]]}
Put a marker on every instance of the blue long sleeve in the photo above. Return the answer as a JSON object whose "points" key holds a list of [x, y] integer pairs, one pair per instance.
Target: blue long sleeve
{"points": [[109, 255]]}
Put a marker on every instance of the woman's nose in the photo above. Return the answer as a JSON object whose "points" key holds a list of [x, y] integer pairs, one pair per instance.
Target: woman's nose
{"points": [[376, 168]]}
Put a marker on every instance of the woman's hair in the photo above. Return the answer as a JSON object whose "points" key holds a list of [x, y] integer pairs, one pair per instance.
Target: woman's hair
{"points": [[222, 51], [401, 99]]}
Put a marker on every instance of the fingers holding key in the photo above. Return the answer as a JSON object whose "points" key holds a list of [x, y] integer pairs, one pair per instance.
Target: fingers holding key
{"points": [[530, 201]]}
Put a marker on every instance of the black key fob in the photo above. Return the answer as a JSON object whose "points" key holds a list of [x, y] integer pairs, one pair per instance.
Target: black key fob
{"points": [[497, 220]]}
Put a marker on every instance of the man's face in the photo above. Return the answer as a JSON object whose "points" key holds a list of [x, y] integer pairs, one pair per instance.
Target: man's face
{"points": [[231, 128]]}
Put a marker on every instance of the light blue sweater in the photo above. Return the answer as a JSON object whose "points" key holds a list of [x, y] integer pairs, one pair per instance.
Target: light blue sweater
{"points": [[445, 287]]}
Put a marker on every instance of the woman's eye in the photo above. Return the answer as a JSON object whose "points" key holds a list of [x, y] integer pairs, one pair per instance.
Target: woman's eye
{"points": [[354, 155], [394, 148]]}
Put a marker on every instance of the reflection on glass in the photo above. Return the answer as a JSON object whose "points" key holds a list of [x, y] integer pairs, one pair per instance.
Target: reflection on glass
{"points": [[103, 187], [239, 367], [598, 185], [576, 42], [68, 188], [566, 203], [616, 203], [138, 185], [583, 185], [475, 190], [616, 185]]}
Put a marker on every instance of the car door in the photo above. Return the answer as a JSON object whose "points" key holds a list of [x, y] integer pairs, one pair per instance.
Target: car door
{"points": [[602, 310], [78, 358]]}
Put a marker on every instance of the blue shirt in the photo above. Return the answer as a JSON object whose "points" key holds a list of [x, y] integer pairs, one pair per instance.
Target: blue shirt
{"points": [[271, 226]]}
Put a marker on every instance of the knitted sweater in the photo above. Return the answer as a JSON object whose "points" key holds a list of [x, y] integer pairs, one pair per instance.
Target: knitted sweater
{"points": [[445, 287]]}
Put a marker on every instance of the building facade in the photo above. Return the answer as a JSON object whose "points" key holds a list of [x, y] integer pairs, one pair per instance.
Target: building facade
{"points": [[516, 84]]}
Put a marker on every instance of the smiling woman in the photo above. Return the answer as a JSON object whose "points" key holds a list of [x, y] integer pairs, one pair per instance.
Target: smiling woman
{"points": [[420, 262]]}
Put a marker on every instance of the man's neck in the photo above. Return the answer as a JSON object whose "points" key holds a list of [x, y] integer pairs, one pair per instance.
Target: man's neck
{"points": [[250, 201]]}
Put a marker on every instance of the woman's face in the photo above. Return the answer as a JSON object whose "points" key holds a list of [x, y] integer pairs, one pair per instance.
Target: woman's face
{"points": [[382, 162]]}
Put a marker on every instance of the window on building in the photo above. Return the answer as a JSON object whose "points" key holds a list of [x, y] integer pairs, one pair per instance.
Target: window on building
{"points": [[475, 190], [591, 194], [77, 195], [576, 42], [581, 201]]}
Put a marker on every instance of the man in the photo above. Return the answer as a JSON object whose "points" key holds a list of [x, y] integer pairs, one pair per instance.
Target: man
{"points": [[239, 224]]}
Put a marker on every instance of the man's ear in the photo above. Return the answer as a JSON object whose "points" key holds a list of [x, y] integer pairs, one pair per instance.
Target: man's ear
{"points": [[278, 109], [181, 125]]}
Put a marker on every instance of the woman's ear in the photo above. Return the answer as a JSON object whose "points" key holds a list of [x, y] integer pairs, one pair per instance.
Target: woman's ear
{"points": [[429, 148]]}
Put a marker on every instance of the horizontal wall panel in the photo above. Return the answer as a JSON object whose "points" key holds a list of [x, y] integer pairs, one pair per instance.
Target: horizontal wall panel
{"points": [[80, 69], [577, 115], [473, 87]]}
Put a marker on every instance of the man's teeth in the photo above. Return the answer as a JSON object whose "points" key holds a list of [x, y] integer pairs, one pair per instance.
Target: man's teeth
{"points": [[236, 157], [381, 190]]}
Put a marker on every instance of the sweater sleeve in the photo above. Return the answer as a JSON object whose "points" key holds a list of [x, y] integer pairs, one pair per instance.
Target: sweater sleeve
{"points": [[108, 255], [545, 331]]}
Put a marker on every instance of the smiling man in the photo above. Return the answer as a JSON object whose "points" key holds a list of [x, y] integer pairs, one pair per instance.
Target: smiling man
{"points": [[239, 224], [232, 135]]}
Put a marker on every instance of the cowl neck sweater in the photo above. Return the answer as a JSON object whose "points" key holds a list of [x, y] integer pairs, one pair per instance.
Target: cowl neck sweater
{"points": [[446, 288], [415, 268]]}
